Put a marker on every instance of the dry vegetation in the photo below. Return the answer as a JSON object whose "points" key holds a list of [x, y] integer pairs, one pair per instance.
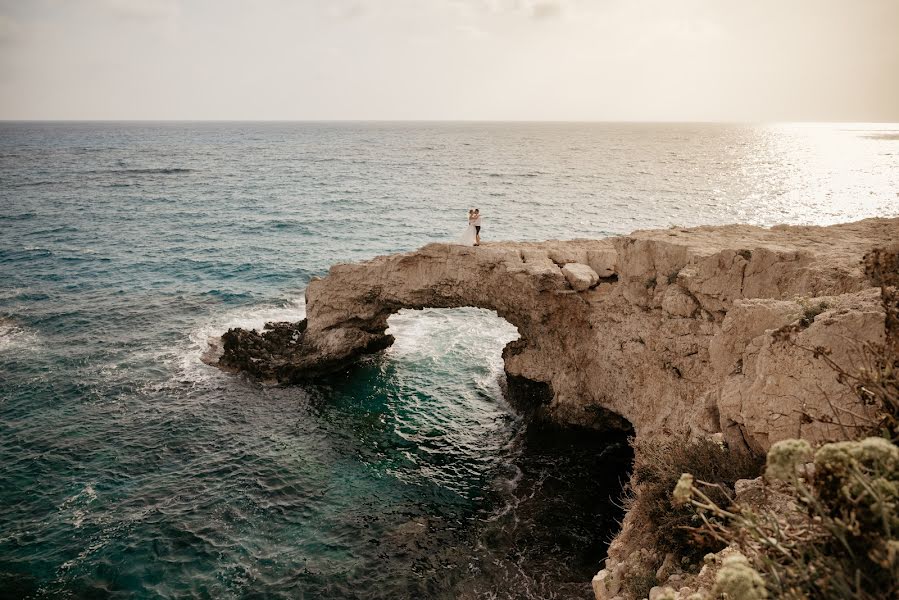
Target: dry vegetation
{"points": [[657, 467], [829, 525]]}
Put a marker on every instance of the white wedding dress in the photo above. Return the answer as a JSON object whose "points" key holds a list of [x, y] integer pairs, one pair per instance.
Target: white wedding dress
{"points": [[468, 238]]}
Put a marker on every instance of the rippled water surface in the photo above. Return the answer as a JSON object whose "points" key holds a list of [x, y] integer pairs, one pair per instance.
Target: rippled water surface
{"points": [[128, 468]]}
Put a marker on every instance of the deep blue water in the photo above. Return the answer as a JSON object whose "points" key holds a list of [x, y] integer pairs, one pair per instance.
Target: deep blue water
{"points": [[128, 468]]}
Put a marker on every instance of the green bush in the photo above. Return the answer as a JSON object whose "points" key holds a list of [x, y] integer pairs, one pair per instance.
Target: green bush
{"points": [[810, 310]]}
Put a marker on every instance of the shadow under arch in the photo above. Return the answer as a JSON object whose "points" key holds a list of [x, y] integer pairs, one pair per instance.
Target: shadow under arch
{"points": [[440, 333], [549, 367], [562, 503], [553, 502]]}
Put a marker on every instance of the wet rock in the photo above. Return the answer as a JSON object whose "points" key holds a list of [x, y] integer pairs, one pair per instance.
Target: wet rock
{"points": [[281, 353]]}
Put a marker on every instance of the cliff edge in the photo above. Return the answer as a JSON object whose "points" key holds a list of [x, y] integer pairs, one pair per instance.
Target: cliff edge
{"points": [[670, 330]]}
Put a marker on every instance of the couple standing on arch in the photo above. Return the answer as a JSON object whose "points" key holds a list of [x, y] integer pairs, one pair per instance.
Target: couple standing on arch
{"points": [[472, 235]]}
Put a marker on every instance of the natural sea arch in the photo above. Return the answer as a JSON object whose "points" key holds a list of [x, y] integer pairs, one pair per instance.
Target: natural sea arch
{"points": [[671, 334], [348, 312]]}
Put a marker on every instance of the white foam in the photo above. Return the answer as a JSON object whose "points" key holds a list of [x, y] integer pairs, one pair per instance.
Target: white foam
{"points": [[421, 336], [76, 504], [454, 339], [434, 333], [15, 337], [204, 340]]}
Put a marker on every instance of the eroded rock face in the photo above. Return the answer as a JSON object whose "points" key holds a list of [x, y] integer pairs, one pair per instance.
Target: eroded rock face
{"points": [[677, 337]]}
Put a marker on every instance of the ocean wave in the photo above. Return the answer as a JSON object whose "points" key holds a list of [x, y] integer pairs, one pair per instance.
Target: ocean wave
{"points": [[145, 171], [59, 229], [19, 217], [76, 505], [191, 360], [15, 337], [160, 171], [37, 183], [280, 224], [229, 296], [891, 136], [459, 335]]}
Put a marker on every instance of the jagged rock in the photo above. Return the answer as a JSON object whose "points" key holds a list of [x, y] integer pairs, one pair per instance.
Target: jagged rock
{"points": [[678, 303], [605, 585], [667, 568], [680, 344], [661, 593], [603, 261], [581, 277], [780, 390], [281, 352], [562, 253]]}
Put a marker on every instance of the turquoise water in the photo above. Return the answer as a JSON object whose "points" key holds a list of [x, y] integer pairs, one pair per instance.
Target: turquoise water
{"points": [[128, 468]]}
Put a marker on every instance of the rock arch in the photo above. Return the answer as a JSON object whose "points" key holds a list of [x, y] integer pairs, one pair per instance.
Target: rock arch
{"points": [[347, 311], [669, 329]]}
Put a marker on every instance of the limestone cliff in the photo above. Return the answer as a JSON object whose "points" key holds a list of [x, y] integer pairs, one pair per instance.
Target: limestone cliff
{"points": [[670, 329]]}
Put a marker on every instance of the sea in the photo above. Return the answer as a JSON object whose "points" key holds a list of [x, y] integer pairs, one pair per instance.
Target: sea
{"points": [[131, 469]]}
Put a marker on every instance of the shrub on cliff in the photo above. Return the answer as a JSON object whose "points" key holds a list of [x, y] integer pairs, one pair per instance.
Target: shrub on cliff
{"points": [[878, 381], [657, 467], [839, 538], [837, 535]]}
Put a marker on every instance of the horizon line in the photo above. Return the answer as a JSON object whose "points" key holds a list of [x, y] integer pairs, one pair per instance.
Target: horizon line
{"points": [[474, 121]]}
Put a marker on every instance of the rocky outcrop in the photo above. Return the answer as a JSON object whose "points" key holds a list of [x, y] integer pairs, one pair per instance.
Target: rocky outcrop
{"points": [[670, 330], [282, 352], [580, 277], [667, 332]]}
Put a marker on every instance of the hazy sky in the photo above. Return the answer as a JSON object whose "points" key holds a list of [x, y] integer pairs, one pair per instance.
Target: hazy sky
{"points": [[707, 60]]}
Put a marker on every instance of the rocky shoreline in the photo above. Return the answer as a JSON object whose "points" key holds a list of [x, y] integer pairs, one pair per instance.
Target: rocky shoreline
{"points": [[665, 332], [670, 333]]}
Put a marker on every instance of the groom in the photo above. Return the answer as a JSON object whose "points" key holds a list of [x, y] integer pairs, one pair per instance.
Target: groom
{"points": [[477, 226]]}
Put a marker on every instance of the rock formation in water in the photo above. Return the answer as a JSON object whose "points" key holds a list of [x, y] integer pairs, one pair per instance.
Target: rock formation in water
{"points": [[669, 331]]}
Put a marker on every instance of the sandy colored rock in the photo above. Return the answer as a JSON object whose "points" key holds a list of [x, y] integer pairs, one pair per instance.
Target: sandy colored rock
{"points": [[604, 261], [680, 344], [580, 276], [661, 593], [778, 390], [604, 585], [678, 303]]}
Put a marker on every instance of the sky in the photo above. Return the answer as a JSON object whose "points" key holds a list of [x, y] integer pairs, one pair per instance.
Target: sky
{"points": [[557, 60]]}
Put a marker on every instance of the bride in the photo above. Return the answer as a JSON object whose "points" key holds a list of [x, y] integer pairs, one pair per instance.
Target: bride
{"points": [[469, 238]]}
